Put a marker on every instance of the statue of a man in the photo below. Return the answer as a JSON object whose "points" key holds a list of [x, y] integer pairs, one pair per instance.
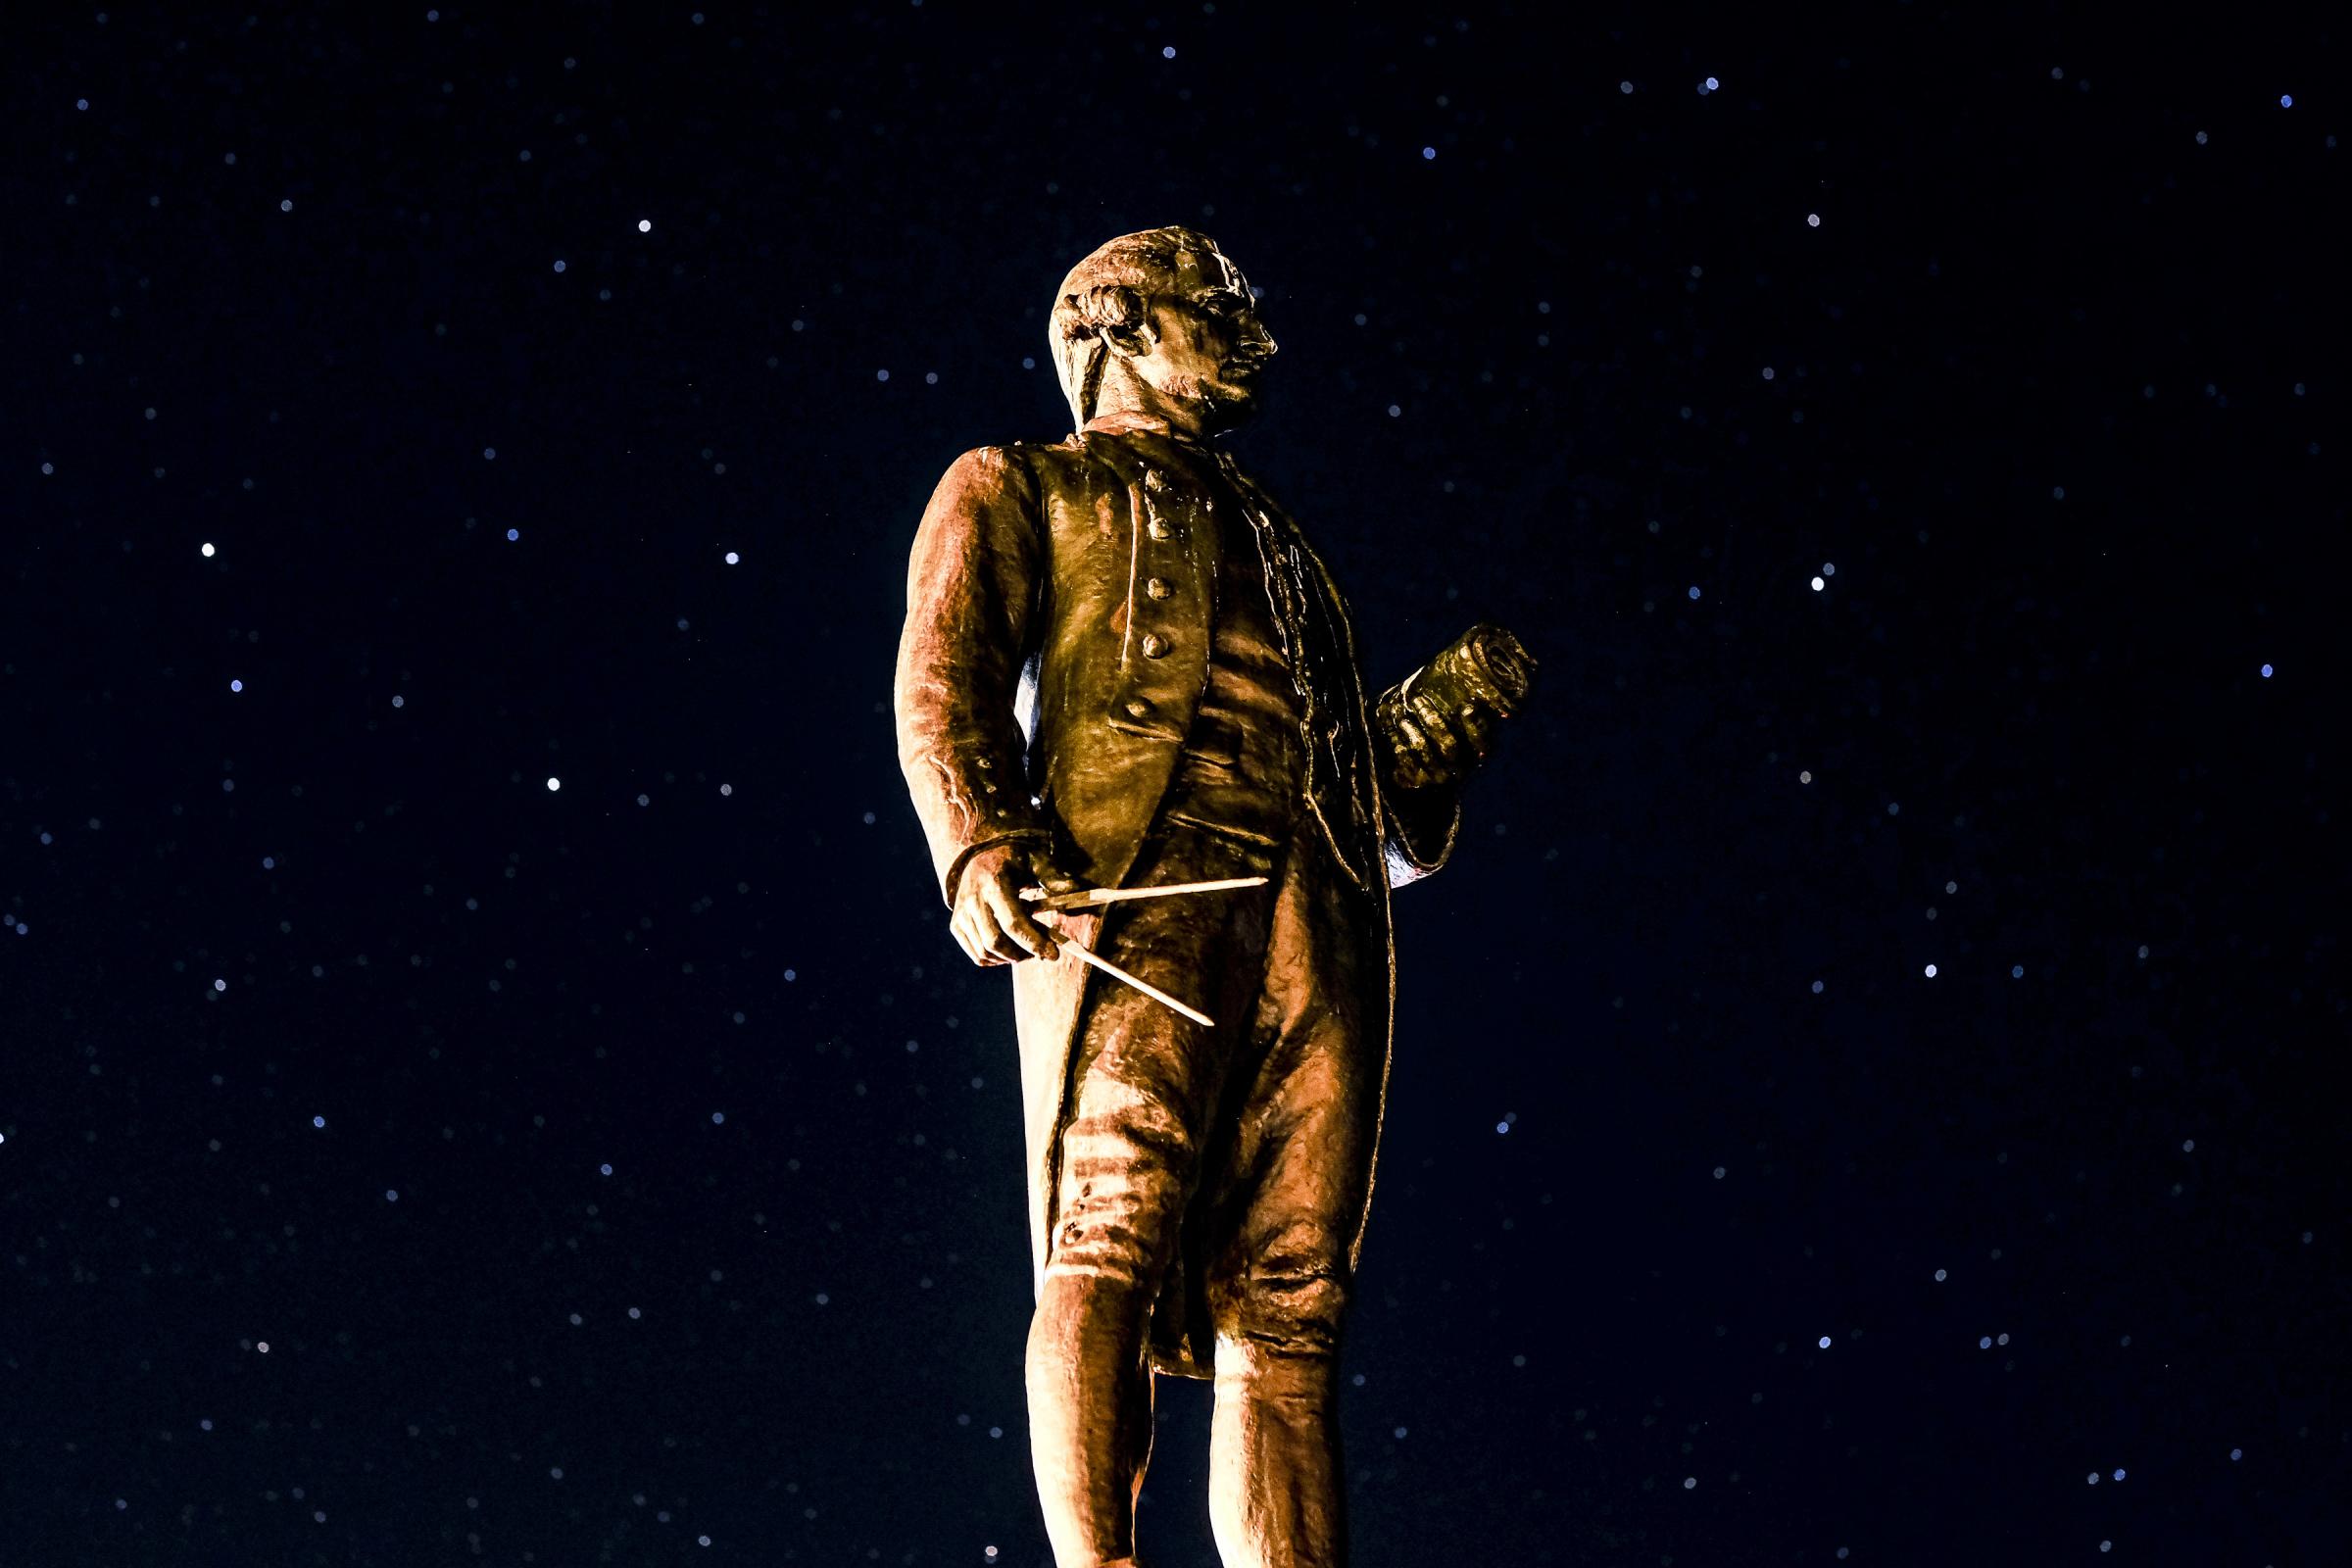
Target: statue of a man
{"points": [[1123, 667]]}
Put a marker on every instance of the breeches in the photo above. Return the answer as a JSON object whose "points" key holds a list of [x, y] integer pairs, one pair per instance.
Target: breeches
{"points": [[1223, 1172]]}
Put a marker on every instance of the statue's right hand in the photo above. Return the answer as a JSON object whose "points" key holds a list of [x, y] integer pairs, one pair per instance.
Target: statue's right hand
{"points": [[990, 922]]}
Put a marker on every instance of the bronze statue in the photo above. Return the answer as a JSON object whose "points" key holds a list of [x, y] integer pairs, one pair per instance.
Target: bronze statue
{"points": [[1123, 667]]}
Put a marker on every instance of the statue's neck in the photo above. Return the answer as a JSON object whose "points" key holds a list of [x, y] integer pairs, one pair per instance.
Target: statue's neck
{"points": [[1129, 398]]}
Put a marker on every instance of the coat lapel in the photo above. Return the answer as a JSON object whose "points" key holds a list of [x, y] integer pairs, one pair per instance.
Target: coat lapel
{"points": [[1050, 999]]}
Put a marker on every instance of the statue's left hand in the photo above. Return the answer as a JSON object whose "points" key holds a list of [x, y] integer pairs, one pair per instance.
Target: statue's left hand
{"points": [[1443, 719]]}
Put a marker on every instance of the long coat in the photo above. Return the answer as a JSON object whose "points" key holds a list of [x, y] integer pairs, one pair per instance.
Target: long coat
{"points": [[1025, 709]]}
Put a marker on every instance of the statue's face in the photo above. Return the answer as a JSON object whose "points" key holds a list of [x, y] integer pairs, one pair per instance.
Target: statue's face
{"points": [[1207, 348]]}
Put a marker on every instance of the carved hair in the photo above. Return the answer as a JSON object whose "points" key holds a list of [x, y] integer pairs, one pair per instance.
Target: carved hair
{"points": [[1110, 288]]}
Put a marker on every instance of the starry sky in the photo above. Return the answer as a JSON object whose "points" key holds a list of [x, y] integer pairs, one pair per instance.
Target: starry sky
{"points": [[484, 1075]]}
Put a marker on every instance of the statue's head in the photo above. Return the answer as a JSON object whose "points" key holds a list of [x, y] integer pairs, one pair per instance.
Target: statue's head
{"points": [[1161, 320]]}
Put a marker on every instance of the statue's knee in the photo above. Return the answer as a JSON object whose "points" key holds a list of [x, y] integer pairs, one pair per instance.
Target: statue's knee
{"points": [[1284, 1312], [1122, 1238], [1122, 1197]]}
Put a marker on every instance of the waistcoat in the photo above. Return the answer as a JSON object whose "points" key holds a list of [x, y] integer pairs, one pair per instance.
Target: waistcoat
{"points": [[1240, 769]]}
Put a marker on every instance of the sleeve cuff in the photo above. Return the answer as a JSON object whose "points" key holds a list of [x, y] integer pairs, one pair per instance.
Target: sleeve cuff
{"points": [[955, 871]]}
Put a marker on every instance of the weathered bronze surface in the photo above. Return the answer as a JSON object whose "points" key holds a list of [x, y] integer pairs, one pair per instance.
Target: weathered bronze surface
{"points": [[1123, 665]]}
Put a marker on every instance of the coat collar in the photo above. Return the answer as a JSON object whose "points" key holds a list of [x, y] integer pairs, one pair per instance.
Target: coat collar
{"points": [[1122, 422], [1132, 444]]}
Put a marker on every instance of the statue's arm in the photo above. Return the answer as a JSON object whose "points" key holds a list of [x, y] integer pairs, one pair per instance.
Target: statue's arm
{"points": [[1431, 731], [1419, 822], [972, 599]]}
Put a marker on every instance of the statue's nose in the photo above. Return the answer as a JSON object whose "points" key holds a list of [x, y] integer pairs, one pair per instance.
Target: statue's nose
{"points": [[1262, 340]]}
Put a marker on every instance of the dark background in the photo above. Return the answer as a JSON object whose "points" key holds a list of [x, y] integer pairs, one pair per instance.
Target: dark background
{"points": [[707, 1238]]}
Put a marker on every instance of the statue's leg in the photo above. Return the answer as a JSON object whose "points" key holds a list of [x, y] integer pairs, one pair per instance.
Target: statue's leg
{"points": [[1144, 1081], [1279, 1293], [1276, 1494], [1090, 1418]]}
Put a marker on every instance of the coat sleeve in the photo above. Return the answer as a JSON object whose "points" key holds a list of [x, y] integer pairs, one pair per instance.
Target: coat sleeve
{"points": [[972, 593], [1418, 825]]}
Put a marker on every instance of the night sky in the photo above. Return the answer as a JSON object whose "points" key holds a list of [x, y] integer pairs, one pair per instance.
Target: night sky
{"points": [[1866, 1087]]}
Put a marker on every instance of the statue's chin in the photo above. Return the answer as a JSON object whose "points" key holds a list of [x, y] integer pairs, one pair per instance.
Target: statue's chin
{"points": [[1226, 404], [1214, 404]]}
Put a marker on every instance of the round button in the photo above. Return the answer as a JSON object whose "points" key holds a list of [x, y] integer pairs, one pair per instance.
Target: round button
{"points": [[1160, 587], [1137, 708], [1154, 646], [1159, 529]]}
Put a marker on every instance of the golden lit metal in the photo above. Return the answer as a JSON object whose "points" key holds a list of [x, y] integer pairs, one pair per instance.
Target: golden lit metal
{"points": [[1125, 673]]}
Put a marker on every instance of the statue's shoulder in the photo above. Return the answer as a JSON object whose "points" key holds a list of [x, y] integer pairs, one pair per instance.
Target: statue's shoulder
{"points": [[990, 474], [1080, 461], [1070, 452], [1017, 477], [1037, 471]]}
